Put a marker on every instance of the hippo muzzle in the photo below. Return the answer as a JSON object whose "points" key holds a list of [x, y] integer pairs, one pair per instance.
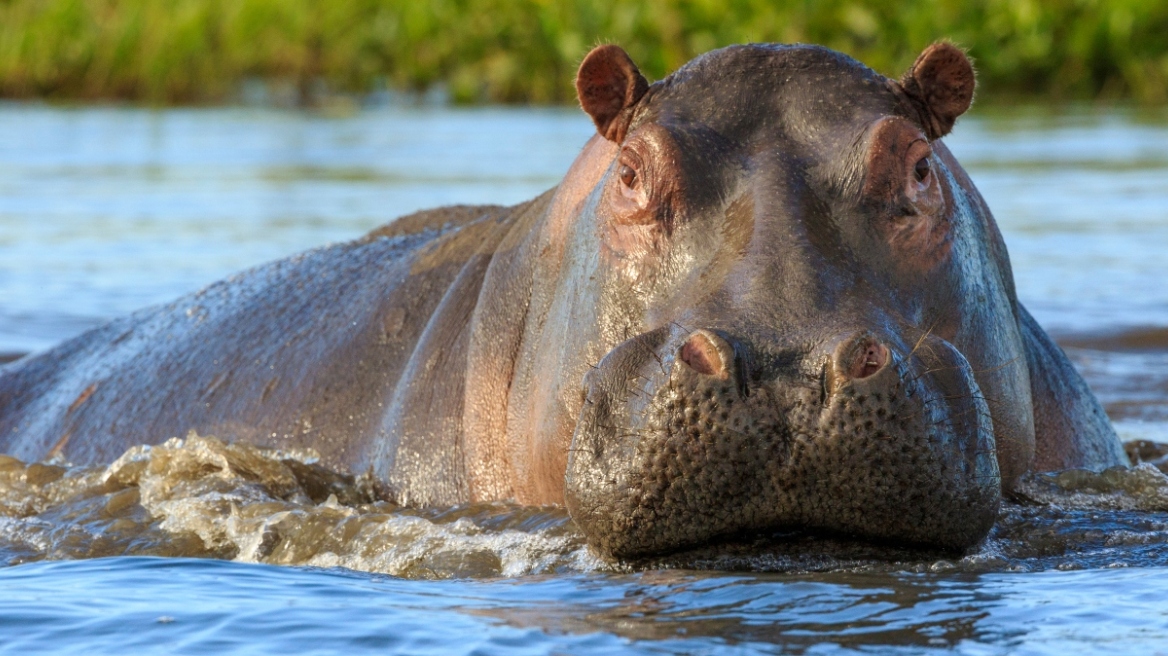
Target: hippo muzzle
{"points": [[681, 442]]}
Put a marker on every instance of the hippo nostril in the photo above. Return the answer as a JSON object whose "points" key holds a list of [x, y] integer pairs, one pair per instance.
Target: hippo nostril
{"points": [[702, 353], [861, 358], [872, 359]]}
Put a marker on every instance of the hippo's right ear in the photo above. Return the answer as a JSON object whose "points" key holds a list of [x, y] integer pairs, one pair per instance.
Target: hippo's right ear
{"points": [[940, 85], [608, 85]]}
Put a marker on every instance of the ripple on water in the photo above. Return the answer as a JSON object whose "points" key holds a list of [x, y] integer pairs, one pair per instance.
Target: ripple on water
{"points": [[167, 606]]}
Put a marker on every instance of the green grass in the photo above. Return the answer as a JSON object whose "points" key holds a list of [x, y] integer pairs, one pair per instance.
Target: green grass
{"points": [[527, 50]]}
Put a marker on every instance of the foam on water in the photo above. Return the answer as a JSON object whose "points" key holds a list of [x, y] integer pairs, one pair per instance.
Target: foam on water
{"points": [[201, 497]]}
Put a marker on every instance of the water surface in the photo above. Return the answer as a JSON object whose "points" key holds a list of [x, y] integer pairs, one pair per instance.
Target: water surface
{"points": [[198, 606]]}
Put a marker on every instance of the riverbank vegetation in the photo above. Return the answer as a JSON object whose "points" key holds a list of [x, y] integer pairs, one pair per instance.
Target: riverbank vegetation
{"points": [[167, 51]]}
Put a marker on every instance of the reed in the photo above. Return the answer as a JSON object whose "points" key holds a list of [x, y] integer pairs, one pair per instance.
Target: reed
{"points": [[196, 51]]}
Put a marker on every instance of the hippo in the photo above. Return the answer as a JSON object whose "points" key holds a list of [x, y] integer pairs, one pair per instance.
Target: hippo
{"points": [[765, 297]]}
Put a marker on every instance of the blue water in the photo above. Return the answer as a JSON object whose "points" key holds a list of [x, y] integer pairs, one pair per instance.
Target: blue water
{"points": [[106, 210], [103, 211], [187, 606]]}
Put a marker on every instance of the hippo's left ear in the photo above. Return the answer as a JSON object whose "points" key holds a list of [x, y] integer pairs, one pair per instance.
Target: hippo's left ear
{"points": [[608, 85], [940, 84]]}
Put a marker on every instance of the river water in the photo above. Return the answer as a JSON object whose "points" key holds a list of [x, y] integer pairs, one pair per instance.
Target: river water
{"points": [[198, 546]]}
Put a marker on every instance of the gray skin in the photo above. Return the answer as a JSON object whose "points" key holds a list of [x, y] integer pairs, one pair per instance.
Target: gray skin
{"points": [[764, 297]]}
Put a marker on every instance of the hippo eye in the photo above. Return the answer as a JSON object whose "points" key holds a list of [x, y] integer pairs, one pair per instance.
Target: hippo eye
{"points": [[921, 170], [628, 176]]}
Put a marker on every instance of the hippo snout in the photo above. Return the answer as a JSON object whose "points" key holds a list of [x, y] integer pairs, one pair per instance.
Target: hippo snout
{"points": [[680, 443]]}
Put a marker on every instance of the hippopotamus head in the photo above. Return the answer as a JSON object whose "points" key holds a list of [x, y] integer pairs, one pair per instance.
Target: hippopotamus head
{"points": [[791, 307]]}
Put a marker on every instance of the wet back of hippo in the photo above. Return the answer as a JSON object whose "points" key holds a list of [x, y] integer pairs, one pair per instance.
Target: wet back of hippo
{"points": [[324, 350], [764, 297]]}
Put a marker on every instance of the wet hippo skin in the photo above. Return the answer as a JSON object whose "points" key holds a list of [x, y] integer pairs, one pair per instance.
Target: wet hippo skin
{"points": [[764, 297]]}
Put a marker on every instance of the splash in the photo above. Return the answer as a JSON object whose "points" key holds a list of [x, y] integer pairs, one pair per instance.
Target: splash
{"points": [[201, 497]]}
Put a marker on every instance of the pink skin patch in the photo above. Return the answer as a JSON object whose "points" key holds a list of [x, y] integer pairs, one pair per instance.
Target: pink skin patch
{"points": [[703, 356]]}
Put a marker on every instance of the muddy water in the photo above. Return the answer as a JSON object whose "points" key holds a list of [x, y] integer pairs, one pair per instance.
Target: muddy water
{"points": [[103, 211]]}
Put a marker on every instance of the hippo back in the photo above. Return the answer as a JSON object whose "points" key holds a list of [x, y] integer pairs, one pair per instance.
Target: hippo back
{"points": [[304, 352]]}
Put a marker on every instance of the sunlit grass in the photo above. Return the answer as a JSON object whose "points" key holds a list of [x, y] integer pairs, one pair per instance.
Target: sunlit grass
{"points": [[527, 50]]}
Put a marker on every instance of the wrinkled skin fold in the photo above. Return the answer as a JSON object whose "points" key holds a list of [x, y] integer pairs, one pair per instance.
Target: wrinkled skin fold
{"points": [[764, 297]]}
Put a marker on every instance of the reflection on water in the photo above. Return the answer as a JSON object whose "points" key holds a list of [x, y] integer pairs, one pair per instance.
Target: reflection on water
{"points": [[103, 211]]}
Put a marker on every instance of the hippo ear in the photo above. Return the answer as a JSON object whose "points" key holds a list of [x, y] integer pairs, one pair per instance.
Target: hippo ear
{"points": [[940, 84], [608, 84]]}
